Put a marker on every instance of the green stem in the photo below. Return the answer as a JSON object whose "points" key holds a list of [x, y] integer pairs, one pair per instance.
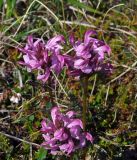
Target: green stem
{"points": [[85, 94]]}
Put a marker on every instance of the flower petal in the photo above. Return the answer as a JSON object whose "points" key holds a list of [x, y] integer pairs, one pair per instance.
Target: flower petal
{"points": [[70, 114], [75, 132], [89, 137], [46, 137], [54, 152], [71, 39], [44, 77], [30, 40], [54, 114], [102, 50], [79, 63], [51, 144], [26, 58], [75, 122], [68, 147], [47, 127], [88, 34], [87, 69], [58, 133], [82, 142], [53, 43]]}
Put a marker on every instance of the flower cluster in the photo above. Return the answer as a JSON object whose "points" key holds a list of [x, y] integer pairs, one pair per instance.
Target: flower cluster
{"points": [[90, 55], [46, 57], [64, 133], [43, 57]]}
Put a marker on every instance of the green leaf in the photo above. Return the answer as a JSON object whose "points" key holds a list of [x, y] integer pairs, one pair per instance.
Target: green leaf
{"points": [[31, 118], [49, 105], [75, 157], [41, 154], [80, 5], [10, 7], [1, 3]]}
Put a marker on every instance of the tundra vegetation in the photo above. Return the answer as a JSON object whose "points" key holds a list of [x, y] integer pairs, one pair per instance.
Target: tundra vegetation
{"points": [[68, 80]]}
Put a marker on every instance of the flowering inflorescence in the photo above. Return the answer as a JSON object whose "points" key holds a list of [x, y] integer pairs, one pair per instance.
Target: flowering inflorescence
{"points": [[90, 55], [64, 133], [47, 58], [43, 57]]}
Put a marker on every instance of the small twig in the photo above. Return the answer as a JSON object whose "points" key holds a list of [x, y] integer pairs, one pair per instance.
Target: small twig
{"points": [[78, 23], [20, 79], [13, 24], [123, 31], [1, 59], [107, 14], [122, 74], [30, 155], [115, 115], [69, 51], [94, 83], [116, 144], [81, 12], [53, 15], [7, 111], [13, 40], [2, 119], [24, 17], [110, 141], [131, 119], [107, 94], [60, 84], [97, 7], [19, 139]]}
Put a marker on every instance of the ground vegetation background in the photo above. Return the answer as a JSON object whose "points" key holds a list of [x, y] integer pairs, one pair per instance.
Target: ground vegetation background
{"points": [[112, 101]]}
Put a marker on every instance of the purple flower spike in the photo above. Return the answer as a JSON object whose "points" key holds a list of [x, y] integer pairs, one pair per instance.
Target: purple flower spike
{"points": [[90, 55], [64, 133], [43, 57]]}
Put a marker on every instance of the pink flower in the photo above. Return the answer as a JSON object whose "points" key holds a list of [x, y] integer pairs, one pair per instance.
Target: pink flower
{"points": [[64, 133], [43, 57], [90, 55], [34, 54]]}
